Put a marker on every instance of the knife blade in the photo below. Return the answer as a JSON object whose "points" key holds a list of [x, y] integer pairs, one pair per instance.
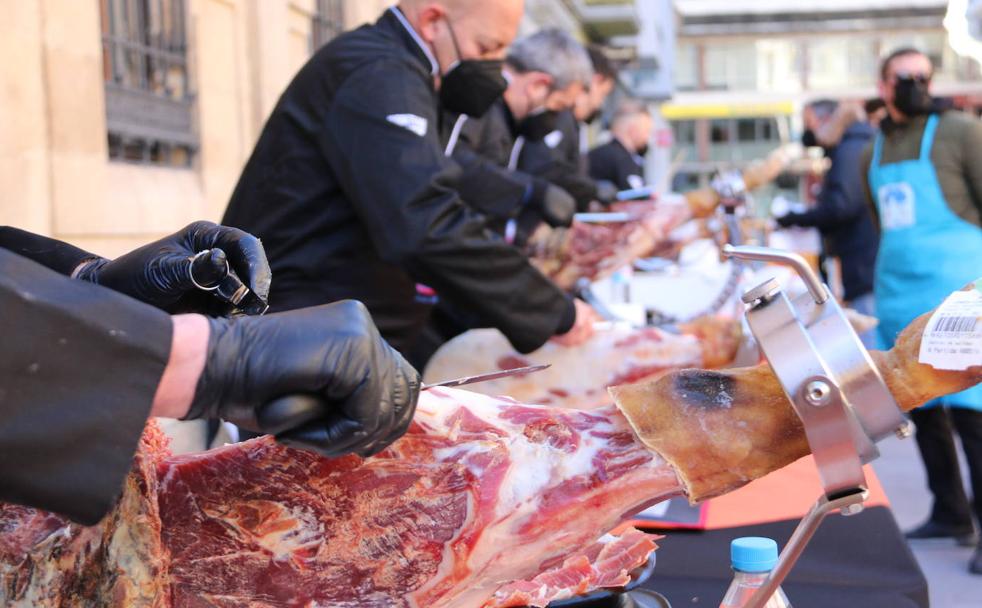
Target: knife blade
{"points": [[605, 217], [517, 371], [292, 411]]}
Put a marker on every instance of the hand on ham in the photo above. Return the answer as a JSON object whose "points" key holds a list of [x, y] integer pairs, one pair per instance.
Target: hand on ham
{"points": [[582, 328], [333, 353]]}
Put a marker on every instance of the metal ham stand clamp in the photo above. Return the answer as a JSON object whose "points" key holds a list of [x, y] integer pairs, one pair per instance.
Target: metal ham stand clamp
{"points": [[732, 193], [836, 390]]}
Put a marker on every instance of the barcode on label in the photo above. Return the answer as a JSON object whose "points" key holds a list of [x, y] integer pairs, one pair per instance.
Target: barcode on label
{"points": [[956, 324]]}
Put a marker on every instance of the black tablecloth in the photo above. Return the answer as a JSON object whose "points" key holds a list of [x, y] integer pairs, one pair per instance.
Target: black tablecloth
{"points": [[860, 561]]}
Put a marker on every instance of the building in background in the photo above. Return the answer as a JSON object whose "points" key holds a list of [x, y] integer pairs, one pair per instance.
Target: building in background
{"points": [[744, 68], [639, 35], [126, 119]]}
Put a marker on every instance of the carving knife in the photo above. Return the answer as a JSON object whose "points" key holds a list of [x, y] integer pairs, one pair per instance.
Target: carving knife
{"points": [[293, 411]]}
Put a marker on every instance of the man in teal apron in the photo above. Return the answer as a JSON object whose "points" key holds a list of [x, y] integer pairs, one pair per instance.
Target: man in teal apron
{"points": [[922, 175]]}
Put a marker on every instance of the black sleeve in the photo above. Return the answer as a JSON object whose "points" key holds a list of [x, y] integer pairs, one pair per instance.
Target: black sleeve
{"points": [[484, 185], [843, 195], [606, 164], [561, 165], [56, 255], [972, 166], [403, 188], [78, 372]]}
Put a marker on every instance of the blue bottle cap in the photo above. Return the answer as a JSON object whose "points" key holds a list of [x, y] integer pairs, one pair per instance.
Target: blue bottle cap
{"points": [[753, 554]]}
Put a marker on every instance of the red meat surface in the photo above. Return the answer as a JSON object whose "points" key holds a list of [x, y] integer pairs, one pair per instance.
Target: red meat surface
{"points": [[485, 502]]}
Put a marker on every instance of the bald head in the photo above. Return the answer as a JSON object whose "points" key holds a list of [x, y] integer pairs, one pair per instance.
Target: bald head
{"points": [[632, 125], [464, 29]]}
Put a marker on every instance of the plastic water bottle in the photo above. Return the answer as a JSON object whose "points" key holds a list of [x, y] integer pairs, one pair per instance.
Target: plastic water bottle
{"points": [[621, 285], [753, 558]]}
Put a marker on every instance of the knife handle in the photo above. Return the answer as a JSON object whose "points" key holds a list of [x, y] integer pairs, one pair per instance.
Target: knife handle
{"points": [[290, 412]]}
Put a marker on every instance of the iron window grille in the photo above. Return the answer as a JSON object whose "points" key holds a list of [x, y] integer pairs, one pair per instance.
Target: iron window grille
{"points": [[149, 98], [328, 22]]}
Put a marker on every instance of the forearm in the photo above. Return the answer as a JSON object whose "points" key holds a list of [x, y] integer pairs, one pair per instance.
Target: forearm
{"points": [[81, 368], [189, 346], [50, 253]]}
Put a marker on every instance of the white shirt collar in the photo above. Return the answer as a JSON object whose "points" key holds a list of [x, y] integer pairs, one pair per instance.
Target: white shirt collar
{"points": [[434, 65]]}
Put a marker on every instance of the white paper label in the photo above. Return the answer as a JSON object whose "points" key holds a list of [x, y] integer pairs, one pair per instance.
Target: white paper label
{"points": [[952, 339]]}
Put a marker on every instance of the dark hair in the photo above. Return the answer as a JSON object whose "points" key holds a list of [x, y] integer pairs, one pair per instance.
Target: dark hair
{"points": [[903, 51], [823, 108], [602, 65]]}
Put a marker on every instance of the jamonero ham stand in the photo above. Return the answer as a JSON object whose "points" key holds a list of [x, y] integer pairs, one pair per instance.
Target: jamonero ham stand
{"points": [[835, 389]]}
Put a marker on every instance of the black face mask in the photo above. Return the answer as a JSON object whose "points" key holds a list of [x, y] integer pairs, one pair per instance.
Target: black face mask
{"points": [[472, 85], [536, 126], [911, 97], [808, 139]]}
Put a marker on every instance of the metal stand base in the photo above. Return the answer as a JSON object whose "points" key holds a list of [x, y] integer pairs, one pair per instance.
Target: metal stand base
{"points": [[850, 504]]}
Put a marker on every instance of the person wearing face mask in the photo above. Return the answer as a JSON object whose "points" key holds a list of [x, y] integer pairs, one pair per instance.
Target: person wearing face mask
{"points": [[925, 188], [546, 71], [559, 157], [621, 160], [353, 197], [840, 212]]}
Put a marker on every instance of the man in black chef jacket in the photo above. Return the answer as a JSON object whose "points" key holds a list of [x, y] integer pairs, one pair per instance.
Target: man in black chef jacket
{"points": [[559, 157], [352, 194], [547, 72], [621, 160], [82, 366]]}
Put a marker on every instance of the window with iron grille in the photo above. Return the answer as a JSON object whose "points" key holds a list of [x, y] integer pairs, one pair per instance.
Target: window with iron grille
{"points": [[149, 100], [328, 22]]}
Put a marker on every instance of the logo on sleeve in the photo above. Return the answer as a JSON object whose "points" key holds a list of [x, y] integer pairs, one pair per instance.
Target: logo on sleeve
{"points": [[554, 139], [410, 122]]}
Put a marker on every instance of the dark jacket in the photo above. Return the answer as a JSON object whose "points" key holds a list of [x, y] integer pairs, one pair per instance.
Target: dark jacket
{"points": [[841, 213], [78, 374], [353, 196], [616, 164], [557, 159], [484, 147]]}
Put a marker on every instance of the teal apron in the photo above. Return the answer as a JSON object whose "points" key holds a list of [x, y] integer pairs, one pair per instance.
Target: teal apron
{"points": [[926, 250]]}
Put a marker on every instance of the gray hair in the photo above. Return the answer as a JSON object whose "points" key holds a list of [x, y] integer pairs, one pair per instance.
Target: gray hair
{"points": [[823, 108], [554, 52]]}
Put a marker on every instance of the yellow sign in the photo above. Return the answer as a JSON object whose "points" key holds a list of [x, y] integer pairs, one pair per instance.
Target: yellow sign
{"points": [[673, 111]]}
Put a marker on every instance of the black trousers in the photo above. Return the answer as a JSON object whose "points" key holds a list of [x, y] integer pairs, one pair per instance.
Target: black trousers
{"points": [[936, 427]]}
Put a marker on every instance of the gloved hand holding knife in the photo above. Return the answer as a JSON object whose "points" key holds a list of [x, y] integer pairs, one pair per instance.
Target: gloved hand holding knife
{"points": [[365, 392]]}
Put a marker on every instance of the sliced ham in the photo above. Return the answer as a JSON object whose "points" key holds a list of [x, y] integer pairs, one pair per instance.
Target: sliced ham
{"points": [[597, 250], [580, 374], [481, 494]]}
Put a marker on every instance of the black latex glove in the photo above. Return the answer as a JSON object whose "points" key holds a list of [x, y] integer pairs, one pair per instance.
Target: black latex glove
{"points": [[553, 204], [787, 220], [606, 192], [332, 352], [159, 273]]}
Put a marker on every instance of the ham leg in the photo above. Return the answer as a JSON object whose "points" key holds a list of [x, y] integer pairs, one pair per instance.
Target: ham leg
{"points": [[485, 501], [723, 429]]}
